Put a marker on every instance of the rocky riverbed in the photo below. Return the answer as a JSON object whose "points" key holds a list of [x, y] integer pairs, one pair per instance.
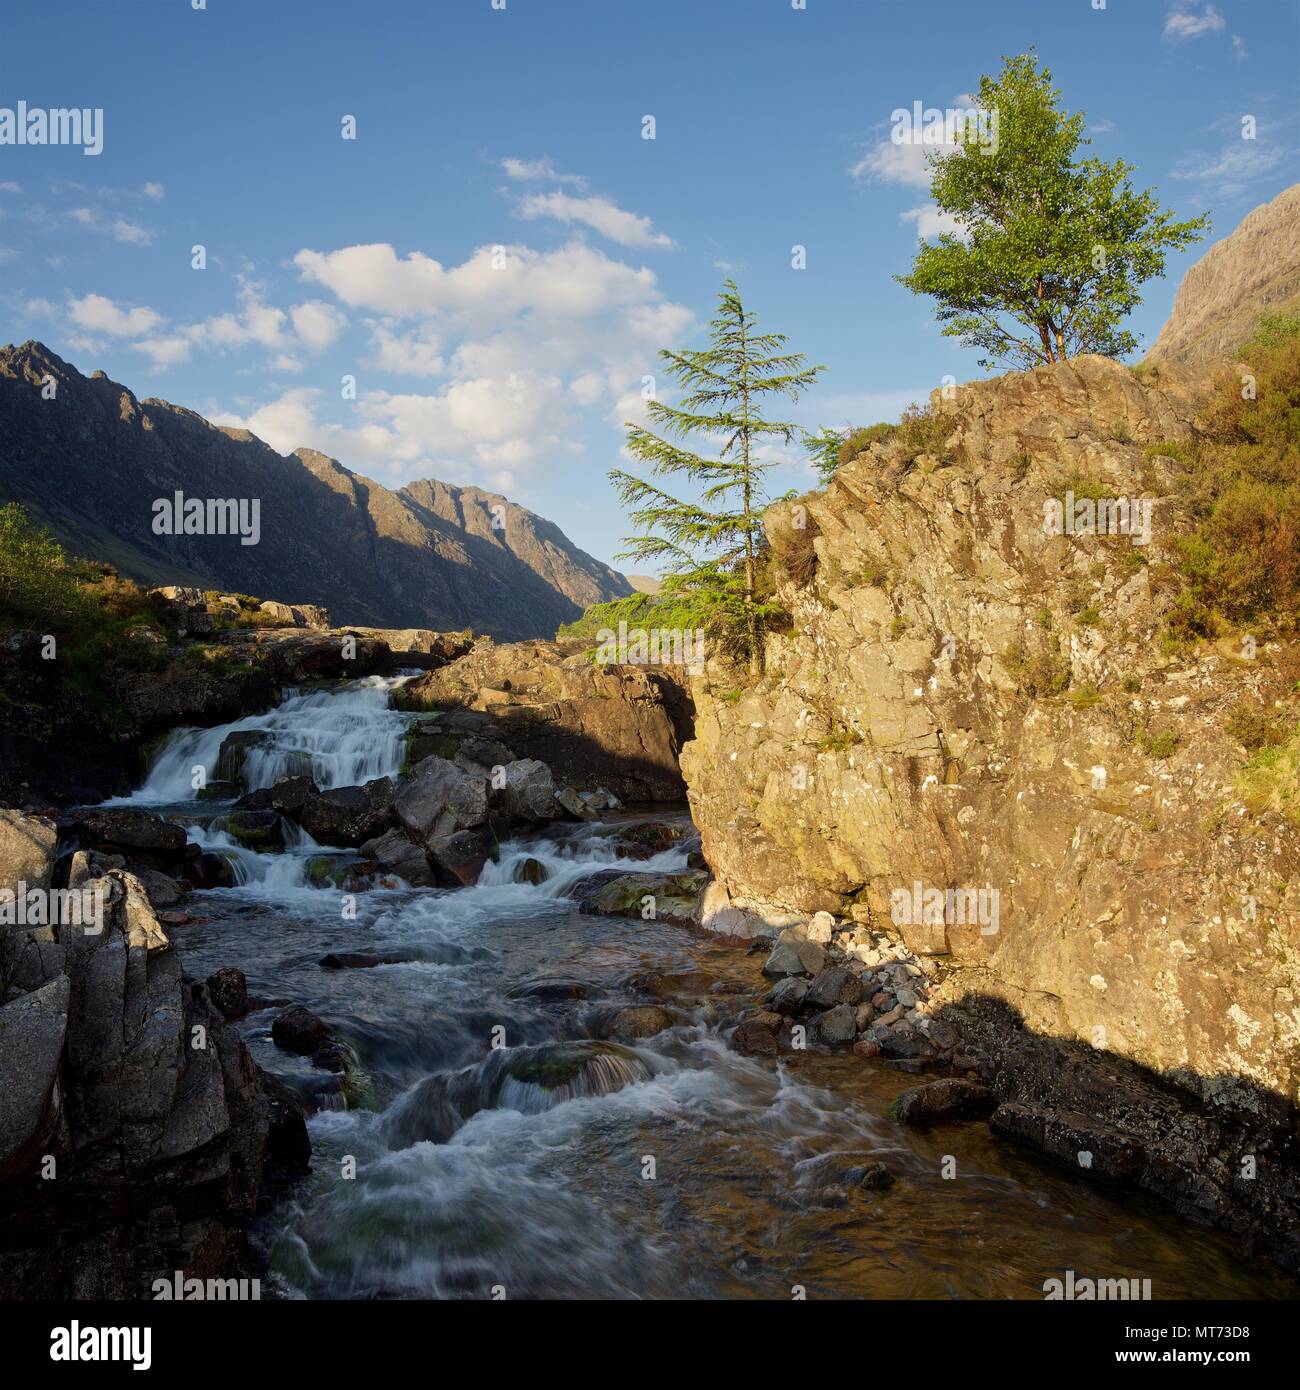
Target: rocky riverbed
{"points": [[462, 1030]]}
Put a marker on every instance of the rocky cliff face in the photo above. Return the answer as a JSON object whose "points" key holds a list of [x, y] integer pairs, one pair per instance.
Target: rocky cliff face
{"points": [[619, 728], [969, 704], [135, 1131], [90, 463], [1255, 270]]}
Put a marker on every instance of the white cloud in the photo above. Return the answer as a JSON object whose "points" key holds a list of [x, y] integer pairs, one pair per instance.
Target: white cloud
{"points": [[492, 285], [1185, 21], [99, 314], [531, 169], [154, 190], [1239, 48], [117, 226], [931, 221], [165, 351], [1232, 170], [524, 344], [317, 324], [418, 353], [500, 428], [8, 186], [603, 216], [903, 164]]}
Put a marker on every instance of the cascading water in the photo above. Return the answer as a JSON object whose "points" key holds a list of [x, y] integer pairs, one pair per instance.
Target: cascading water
{"points": [[501, 1136], [340, 737]]}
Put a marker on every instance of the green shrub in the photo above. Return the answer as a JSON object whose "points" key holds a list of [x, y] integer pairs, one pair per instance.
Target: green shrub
{"points": [[1241, 560], [1159, 745], [1256, 728]]}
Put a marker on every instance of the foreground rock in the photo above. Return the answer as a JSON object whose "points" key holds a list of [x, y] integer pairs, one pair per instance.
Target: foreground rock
{"points": [[129, 1081]]}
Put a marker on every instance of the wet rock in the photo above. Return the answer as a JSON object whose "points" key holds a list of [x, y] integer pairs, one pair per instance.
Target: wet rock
{"points": [[163, 890], [648, 839], [437, 799], [393, 853], [788, 996], [651, 897], [299, 1030], [530, 1079], [459, 858], [834, 985], [941, 1101], [531, 871], [640, 1021], [550, 991], [140, 837], [867, 1047], [288, 796], [356, 960], [235, 748], [261, 831], [837, 1025], [873, 1177], [1096, 1150], [794, 955], [674, 984], [229, 991], [349, 815], [209, 870], [527, 795], [753, 1038], [288, 1147]]}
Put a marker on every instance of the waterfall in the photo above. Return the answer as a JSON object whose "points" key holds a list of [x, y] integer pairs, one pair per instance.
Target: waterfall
{"points": [[340, 737]]}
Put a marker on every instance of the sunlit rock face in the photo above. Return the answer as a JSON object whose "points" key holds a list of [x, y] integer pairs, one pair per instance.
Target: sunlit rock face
{"points": [[971, 702]]}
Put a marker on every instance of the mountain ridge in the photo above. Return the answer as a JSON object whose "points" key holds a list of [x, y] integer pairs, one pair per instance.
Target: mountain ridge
{"points": [[90, 462]]}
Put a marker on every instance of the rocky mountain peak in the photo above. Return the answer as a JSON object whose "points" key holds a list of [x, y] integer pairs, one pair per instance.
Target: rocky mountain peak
{"points": [[1252, 271]]}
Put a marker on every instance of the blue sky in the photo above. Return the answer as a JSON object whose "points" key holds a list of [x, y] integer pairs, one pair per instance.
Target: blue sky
{"points": [[522, 129]]}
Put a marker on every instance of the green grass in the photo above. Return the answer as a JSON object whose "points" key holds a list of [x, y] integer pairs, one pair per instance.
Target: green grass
{"points": [[1270, 781]]}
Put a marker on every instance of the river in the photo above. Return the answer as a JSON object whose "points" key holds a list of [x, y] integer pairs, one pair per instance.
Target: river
{"points": [[708, 1175]]}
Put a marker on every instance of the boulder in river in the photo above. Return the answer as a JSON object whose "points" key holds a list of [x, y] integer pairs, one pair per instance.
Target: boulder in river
{"points": [[938, 1102], [262, 831], [638, 1021], [529, 1079], [527, 792], [550, 991], [438, 798], [349, 815], [394, 853], [228, 990], [459, 858]]}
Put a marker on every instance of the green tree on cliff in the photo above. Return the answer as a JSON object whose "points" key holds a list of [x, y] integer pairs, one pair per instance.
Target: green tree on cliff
{"points": [[1052, 248], [711, 544]]}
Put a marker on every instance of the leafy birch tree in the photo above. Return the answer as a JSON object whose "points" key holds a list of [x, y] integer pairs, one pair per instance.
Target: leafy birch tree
{"points": [[1052, 248], [711, 544]]}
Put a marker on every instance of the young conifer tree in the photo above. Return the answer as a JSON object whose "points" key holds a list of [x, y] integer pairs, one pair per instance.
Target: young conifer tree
{"points": [[711, 545]]}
